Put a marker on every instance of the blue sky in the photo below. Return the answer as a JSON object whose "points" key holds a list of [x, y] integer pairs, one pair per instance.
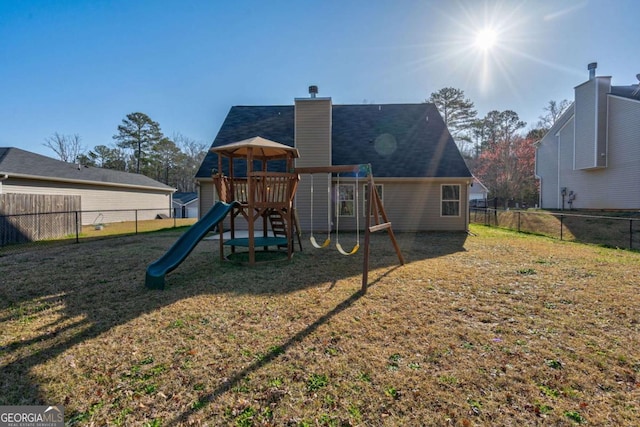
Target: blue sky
{"points": [[78, 67]]}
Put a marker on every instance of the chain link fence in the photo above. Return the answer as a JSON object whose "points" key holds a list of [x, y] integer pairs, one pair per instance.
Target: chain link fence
{"points": [[25, 231], [611, 229]]}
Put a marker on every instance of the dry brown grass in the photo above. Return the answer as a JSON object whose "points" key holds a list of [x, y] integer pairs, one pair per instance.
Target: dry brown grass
{"points": [[492, 329]]}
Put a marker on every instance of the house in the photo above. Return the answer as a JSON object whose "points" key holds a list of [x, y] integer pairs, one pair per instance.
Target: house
{"points": [[419, 172], [105, 195], [185, 205], [590, 158], [478, 194]]}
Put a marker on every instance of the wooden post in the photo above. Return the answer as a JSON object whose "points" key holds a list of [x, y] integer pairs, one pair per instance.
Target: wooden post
{"points": [[251, 202], [367, 235], [375, 208]]}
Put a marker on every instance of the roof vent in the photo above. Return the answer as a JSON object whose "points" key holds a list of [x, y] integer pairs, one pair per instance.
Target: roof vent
{"points": [[313, 91], [592, 70], [635, 92]]}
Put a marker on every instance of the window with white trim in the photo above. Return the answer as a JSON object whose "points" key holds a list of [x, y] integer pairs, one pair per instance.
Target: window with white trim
{"points": [[346, 200], [450, 197], [380, 191]]}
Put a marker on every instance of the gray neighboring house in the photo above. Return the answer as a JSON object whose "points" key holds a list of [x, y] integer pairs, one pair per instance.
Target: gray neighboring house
{"points": [[590, 158], [100, 190], [185, 205], [418, 170]]}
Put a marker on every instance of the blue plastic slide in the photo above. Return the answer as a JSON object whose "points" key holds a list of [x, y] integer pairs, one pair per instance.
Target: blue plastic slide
{"points": [[185, 244]]}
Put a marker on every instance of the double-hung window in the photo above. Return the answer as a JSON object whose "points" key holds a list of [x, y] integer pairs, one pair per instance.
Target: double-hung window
{"points": [[346, 200], [450, 200]]}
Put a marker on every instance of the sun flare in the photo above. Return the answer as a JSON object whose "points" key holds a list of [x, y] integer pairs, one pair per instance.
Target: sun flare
{"points": [[486, 39], [488, 42]]}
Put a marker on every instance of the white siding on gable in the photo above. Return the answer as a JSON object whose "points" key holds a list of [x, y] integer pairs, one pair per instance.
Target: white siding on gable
{"points": [[584, 123], [603, 88], [566, 172], [547, 170], [190, 210], [624, 153], [614, 187], [590, 123]]}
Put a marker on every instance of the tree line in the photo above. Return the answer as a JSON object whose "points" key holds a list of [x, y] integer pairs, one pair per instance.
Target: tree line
{"points": [[497, 150], [139, 147]]}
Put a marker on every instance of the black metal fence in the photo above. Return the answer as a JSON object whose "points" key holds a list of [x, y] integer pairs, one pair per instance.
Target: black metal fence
{"points": [[21, 231], [620, 230]]}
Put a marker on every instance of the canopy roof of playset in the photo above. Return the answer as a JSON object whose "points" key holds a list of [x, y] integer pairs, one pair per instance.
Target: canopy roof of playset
{"points": [[262, 148]]}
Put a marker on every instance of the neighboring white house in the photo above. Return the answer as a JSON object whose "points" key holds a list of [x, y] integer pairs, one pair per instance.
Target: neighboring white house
{"points": [[478, 192], [590, 158], [106, 195], [419, 172], [185, 205]]}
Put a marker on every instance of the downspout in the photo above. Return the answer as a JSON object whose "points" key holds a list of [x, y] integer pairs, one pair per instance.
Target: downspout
{"points": [[468, 214], [3, 176], [535, 173], [171, 215]]}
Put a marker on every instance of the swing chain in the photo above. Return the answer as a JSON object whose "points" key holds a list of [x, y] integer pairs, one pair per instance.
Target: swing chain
{"points": [[357, 202]]}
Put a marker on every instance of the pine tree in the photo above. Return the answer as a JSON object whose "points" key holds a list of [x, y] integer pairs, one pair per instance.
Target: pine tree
{"points": [[138, 133], [457, 112]]}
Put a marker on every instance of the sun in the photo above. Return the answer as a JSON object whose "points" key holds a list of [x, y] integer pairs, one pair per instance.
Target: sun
{"points": [[486, 39]]}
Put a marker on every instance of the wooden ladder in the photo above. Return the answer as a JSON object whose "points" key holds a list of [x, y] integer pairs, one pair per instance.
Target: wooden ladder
{"points": [[279, 225]]}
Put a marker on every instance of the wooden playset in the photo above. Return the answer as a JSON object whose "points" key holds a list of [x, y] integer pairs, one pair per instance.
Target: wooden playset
{"points": [[262, 195]]}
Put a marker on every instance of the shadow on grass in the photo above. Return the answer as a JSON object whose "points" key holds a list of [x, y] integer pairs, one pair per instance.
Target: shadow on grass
{"points": [[58, 297], [276, 351], [26, 246]]}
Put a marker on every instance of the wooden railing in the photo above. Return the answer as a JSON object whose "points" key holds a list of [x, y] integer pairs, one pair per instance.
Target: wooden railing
{"points": [[270, 189]]}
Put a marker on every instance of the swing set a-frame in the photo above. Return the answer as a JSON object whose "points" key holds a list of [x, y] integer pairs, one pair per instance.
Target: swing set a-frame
{"points": [[375, 219]]}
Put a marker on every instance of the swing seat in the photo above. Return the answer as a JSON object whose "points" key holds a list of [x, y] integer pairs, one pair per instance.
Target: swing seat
{"points": [[343, 252], [316, 245]]}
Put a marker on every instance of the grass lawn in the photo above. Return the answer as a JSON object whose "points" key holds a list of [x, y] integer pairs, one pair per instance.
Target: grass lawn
{"points": [[125, 227], [613, 229], [498, 328]]}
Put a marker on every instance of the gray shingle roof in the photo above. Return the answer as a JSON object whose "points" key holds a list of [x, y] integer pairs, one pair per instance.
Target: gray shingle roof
{"points": [[14, 161], [631, 91], [399, 140], [184, 198]]}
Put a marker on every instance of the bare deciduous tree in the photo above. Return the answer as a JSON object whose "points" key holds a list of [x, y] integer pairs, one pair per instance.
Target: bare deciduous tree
{"points": [[553, 111], [193, 153], [67, 147]]}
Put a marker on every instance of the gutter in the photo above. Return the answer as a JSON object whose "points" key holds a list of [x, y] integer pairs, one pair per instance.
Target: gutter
{"points": [[81, 181]]}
